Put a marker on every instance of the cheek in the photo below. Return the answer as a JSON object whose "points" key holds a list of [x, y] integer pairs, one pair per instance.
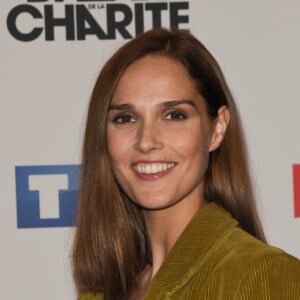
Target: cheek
{"points": [[118, 145], [186, 141], [189, 143], [114, 145]]}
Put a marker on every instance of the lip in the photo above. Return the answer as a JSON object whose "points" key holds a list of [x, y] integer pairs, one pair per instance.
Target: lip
{"points": [[163, 168]]}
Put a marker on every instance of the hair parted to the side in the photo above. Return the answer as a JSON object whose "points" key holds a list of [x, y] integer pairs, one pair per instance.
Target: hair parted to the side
{"points": [[111, 246]]}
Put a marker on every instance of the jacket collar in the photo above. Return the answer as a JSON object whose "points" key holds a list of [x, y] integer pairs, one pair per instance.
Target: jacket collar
{"points": [[198, 238]]}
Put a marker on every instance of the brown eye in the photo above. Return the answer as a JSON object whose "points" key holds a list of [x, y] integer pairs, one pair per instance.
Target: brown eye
{"points": [[176, 115], [123, 119]]}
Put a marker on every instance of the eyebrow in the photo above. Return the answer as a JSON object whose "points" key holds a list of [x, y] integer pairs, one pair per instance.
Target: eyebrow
{"points": [[173, 103], [125, 106], [166, 104]]}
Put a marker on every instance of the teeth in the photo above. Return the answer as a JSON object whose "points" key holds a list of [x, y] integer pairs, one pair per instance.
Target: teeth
{"points": [[153, 168]]}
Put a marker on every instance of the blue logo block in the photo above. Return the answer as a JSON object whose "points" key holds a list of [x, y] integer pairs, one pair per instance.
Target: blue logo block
{"points": [[47, 195]]}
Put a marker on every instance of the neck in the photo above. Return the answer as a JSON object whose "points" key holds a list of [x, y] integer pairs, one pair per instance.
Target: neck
{"points": [[165, 226]]}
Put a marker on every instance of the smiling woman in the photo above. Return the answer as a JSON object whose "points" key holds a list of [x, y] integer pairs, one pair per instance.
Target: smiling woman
{"points": [[153, 134], [166, 208]]}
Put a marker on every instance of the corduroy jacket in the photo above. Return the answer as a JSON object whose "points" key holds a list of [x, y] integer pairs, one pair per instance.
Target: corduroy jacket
{"points": [[215, 259]]}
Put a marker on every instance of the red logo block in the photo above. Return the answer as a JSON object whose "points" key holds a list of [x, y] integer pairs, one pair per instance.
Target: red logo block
{"points": [[296, 179]]}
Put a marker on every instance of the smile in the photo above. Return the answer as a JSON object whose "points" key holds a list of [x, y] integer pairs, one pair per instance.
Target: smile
{"points": [[153, 168]]}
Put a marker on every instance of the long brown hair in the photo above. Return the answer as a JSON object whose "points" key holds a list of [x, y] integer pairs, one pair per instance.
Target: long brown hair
{"points": [[111, 246]]}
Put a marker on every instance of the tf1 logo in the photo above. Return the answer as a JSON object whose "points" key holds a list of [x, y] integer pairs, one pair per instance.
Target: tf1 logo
{"points": [[47, 195], [296, 177]]}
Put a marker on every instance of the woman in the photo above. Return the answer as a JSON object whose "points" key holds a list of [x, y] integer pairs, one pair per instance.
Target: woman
{"points": [[167, 209]]}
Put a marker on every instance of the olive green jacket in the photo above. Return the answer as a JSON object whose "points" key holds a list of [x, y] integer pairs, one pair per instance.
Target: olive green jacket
{"points": [[215, 259]]}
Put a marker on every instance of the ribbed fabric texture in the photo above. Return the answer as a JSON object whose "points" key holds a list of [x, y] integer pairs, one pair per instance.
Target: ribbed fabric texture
{"points": [[215, 259]]}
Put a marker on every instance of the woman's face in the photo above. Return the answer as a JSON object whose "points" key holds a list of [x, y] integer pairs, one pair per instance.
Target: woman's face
{"points": [[159, 134]]}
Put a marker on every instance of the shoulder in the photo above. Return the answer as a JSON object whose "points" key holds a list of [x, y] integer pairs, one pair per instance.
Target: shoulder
{"points": [[273, 275], [241, 267], [90, 296], [241, 251], [260, 271]]}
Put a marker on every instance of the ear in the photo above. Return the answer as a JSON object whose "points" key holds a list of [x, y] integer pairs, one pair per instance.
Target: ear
{"points": [[219, 127]]}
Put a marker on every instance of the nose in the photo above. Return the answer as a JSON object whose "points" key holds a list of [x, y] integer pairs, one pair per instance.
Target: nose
{"points": [[149, 137]]}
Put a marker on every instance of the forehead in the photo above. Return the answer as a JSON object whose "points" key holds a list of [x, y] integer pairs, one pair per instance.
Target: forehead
{"points": [[155, 76], [155, 64]]}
